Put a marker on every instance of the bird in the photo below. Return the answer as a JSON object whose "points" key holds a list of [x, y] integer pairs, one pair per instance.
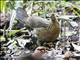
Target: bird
{"points": [[50, 33], [46, 30]]}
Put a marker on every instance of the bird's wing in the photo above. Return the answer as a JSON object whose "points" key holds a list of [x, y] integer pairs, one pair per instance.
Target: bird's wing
{"points": [[32, 21], [36, 21]]}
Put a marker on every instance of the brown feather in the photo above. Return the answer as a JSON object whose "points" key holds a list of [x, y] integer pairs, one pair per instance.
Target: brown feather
{"points": [[51, 32]]}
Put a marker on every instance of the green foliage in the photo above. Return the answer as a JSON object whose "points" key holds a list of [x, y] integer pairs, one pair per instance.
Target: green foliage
{"points": [[2, 5], [76, 10], [10, 4], [43, 7], [13, 32]]}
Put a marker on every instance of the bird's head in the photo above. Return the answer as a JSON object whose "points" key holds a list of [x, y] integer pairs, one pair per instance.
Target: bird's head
{"points": [[53, 17]]}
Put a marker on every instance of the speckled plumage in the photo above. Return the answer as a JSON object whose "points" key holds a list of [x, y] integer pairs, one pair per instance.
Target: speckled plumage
{"points": [[51, 32]]}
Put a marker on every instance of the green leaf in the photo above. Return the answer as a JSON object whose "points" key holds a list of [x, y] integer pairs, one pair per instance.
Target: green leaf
{"points": [[2, 5], [76, 10], [12, 32]]}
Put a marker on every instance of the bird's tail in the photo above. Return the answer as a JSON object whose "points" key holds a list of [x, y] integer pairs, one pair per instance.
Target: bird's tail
{"points": [[21, 14]]}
